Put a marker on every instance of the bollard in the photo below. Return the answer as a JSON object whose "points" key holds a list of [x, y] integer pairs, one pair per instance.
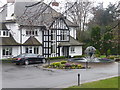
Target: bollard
{"points": [[48, 61], [86, 65], [78, 79]]}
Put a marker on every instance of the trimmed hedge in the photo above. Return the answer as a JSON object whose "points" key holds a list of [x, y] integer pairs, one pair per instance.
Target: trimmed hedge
{"points": [[60, 57], [78, 56]]}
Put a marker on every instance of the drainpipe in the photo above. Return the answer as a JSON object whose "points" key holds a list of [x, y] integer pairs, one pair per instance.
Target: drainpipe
{"points": [[21, 40]]}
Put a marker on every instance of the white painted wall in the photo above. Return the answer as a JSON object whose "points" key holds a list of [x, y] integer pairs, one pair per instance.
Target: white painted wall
{"points": [[73, 32], [24, 37], [14, 30], [39, 37], [0, 52], [78, 51], [15, 50]]}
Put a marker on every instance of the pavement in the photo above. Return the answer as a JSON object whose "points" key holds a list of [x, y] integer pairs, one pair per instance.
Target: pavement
{"points": [[34, 76]]}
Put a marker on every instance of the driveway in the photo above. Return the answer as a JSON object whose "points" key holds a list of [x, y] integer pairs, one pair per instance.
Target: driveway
{"points": [[33, 76]]}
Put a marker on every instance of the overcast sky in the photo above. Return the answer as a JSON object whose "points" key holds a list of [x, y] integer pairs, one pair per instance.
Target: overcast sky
{"points": [[105, 2]]}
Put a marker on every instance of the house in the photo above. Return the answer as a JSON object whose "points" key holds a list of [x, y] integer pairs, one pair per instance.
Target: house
{"points": [[36, 28]]}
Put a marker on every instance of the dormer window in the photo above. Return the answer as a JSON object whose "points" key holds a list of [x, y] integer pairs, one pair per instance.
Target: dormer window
{"points": [[4, 33], [32, 32]]}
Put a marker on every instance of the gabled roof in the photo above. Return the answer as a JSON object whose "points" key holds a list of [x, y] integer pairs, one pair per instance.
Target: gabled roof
{"points": [[8, 41], [72, 42], [32, 41], [25, 13], [3, 26]]}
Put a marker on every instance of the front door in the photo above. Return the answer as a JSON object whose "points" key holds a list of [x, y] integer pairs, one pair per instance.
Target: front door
{"points": [[66, 51]]}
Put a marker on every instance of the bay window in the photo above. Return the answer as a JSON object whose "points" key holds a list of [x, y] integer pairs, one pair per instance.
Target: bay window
{"points": [[32, 49]]}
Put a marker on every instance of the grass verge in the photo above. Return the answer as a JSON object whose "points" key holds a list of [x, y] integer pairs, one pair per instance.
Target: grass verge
{"points": [[111, 83]]}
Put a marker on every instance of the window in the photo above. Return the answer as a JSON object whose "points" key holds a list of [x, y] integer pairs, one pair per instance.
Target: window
{"points": [[72, 49], [7, 51], [4, 33], [53, 35], [64, 35], [53, 48], [31, 49], [36, 50], [32, 32]]}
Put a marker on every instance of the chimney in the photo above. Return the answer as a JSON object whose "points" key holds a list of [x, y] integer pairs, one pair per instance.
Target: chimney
{"points": [[10, 1], [10, 9]]}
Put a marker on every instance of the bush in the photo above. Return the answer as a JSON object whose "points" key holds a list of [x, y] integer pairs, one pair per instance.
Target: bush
{"points": [[108, 52], [55, 64], [79, 66], [63, 62], [58, 65], [60, 57], [97, 53], [111, 57], [103, 56]]}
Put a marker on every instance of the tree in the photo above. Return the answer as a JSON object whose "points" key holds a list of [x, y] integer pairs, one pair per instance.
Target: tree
{"points": [[95, 37], [79, 14]]}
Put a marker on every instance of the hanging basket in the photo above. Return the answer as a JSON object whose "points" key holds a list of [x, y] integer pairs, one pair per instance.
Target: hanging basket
{"points": [[55, 4]]}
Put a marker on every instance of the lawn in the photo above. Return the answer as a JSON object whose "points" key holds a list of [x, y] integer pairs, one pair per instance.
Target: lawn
{"points": [[106, 83]]}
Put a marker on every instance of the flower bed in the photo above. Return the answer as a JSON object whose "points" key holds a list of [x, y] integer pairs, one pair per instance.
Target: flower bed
{"points": [[64, 65]]}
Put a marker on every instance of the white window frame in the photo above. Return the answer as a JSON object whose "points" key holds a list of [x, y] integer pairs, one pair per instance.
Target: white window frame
{"points": [[31, 49], [64, 35], [4, 33], [72, 49], [32, 32], [7, 51]]}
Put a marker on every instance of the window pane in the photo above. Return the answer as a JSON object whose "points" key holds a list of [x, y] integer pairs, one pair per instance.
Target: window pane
{"points": [[26, 32], [3, 33], [32, 32], [36, 33], [30, 51], [6, 33], [3, 51], [26, 50]]}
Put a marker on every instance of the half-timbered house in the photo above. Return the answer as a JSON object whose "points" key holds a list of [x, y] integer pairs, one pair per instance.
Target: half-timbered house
{"points": [[36, 28]]}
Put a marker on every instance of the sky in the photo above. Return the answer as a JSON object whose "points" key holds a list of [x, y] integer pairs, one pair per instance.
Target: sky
{"points": [[105, 2]]}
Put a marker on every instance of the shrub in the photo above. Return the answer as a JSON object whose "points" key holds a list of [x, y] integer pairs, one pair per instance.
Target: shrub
{"points": [[79, 65], [68, 65], [63, 62], [97, 53], [62, 66], [111, 57], [108, 52], [103, 56], [60, 57], [55, 64]]}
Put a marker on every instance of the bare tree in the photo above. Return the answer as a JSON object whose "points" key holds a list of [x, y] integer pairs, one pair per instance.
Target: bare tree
{"points": [[79, 14]]}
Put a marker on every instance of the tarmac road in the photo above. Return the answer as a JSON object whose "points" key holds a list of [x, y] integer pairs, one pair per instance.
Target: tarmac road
{"points": [[34, 76]]}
